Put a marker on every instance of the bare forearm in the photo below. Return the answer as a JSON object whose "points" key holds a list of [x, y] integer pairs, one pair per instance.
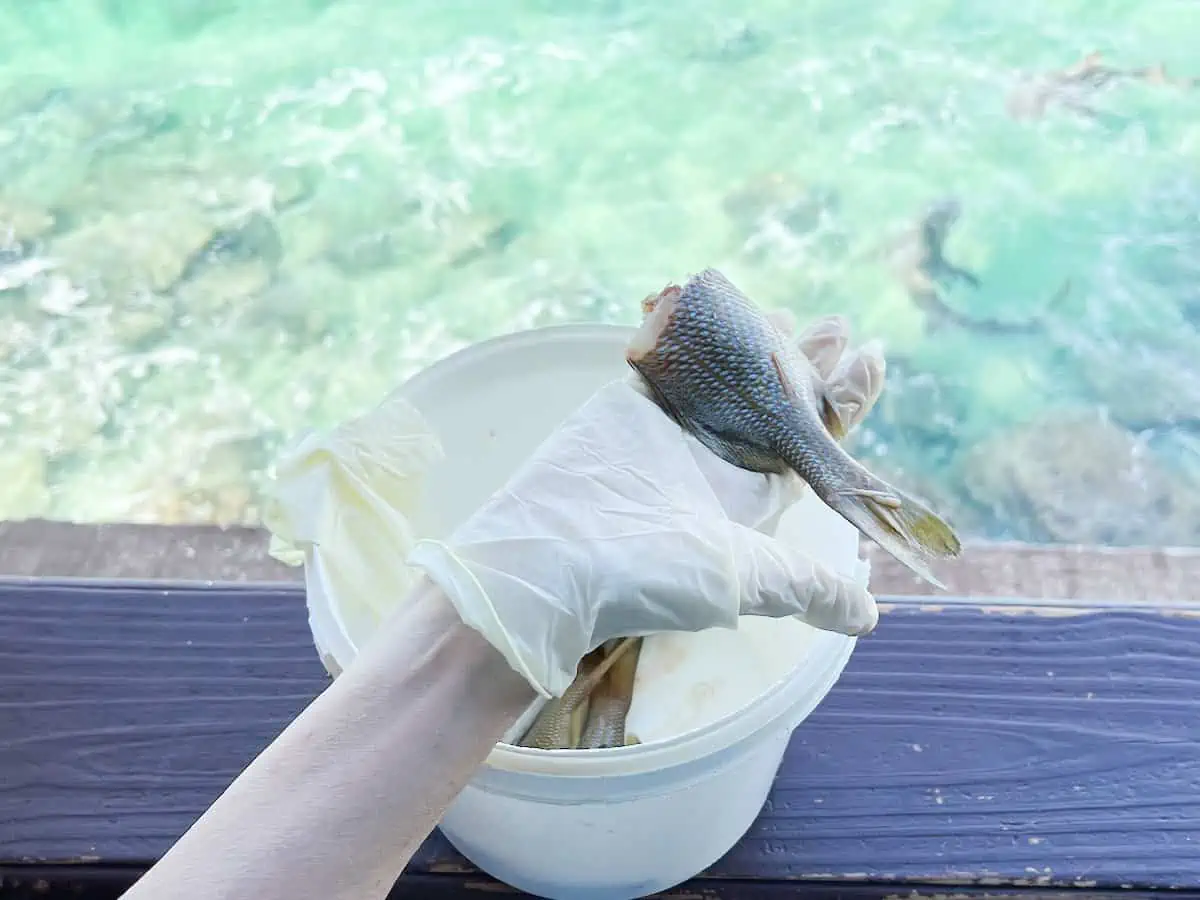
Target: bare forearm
{"points": [[338, 803]]}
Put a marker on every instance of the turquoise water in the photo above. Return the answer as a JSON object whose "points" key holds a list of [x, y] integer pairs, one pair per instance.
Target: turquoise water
{"points": [[229, 220]]}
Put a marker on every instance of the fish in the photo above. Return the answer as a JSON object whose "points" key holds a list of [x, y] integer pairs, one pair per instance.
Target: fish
{"points": [[715, 364], [918, 260], [1094, 72], [1073, 86], [609, 704], [558, 724], [934, 228]]}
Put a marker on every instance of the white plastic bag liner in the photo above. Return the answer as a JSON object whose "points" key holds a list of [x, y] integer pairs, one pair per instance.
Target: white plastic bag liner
{"points": [[343, 505]]}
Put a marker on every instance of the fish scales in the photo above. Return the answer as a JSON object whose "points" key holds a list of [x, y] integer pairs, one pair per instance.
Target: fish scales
{"points": [[551, 729], [610, 702]]}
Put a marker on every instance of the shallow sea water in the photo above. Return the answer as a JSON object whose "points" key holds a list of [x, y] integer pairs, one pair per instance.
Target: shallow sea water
{"points": [[223, 221]]}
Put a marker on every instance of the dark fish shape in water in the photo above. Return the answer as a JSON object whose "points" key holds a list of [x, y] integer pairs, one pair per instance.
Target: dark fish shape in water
{"points": [[1073, 87], [918, 260], [722, 371]]}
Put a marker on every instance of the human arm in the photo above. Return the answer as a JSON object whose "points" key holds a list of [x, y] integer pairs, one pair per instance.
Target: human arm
{"points": [[338, 803]]}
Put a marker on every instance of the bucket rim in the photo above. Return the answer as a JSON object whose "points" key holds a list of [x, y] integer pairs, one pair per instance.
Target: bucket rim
{"points": [[586, 332]]}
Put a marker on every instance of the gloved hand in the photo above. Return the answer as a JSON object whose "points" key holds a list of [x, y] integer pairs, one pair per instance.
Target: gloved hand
{"points": [[622, 524]]}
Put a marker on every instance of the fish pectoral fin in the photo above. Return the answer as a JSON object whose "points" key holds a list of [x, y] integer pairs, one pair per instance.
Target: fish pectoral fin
{"points": [[737, 452], [730, 448]]}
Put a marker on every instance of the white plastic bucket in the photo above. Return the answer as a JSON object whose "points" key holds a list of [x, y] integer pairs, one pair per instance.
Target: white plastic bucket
{"points": [[629, 821]]}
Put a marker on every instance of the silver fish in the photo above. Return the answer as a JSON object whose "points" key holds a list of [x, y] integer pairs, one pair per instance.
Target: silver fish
{"points": [[560, 722], [716, 365], [610, 702]]}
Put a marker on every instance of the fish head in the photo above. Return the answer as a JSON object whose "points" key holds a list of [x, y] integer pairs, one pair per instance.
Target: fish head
{"points": [[717, 365], [656, 313]]}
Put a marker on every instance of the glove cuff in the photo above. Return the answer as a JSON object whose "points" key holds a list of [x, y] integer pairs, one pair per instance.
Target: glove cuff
{"points": [[456, 580]]}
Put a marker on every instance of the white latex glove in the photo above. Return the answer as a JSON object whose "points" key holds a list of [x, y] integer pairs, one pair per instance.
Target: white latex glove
{"points": [[622, 524]]}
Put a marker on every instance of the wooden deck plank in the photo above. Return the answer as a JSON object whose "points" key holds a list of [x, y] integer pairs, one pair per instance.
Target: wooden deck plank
{"points": [[960, 747], [208, 553], [108, 883]]}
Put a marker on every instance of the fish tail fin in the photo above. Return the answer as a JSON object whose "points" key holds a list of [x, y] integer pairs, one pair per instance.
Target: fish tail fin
{"points": [[903, 526]]}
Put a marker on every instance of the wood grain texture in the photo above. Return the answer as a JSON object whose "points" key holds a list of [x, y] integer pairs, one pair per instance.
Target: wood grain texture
{"points": [[208, 553], [109, 882], [960, 747]]}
